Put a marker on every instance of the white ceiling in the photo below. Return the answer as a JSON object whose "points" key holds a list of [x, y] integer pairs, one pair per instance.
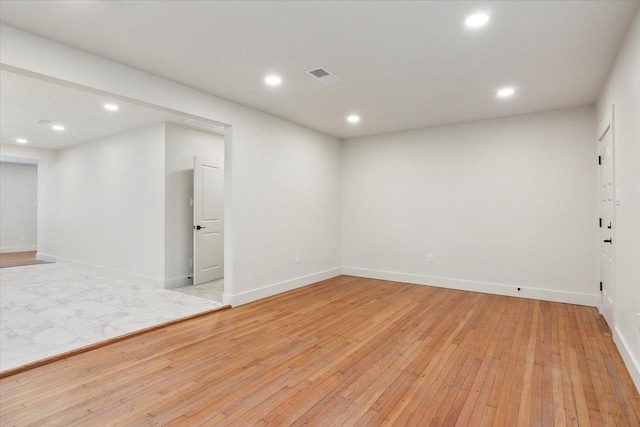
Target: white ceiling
{"points": [[404, 65], [25, 100]]}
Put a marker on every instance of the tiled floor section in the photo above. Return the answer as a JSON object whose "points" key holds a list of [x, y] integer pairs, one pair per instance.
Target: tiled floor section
{"points": [[210, 290], [53, 308]]}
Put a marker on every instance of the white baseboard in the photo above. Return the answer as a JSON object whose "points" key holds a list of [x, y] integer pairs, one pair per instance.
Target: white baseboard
{"points": [[227, 299], [150, 281], [45, 257], [627, 356], [177, 282], [277, 288], [468, 285], [27, 248]]}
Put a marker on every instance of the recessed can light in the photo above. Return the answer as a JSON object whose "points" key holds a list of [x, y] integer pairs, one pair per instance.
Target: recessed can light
{"points": [[273, 80], [57, 127], [21, 141], [476, 20], [353, 118], [506, 92], [111, 107]]}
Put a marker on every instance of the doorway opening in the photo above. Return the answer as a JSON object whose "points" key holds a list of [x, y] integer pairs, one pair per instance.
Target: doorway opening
{"points": [[195, 203], [18, 212], [103, 218]]}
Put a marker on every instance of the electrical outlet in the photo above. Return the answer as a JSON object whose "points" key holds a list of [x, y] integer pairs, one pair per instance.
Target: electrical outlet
{"points": [[22, 238], [429, 257], [298, 259]]}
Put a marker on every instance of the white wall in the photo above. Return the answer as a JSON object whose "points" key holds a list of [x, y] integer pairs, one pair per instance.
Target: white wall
{"points": [[102, 203], [623, 91], [501, 204], [182, 144], [282, 180], [286, 184], [18, 207]]}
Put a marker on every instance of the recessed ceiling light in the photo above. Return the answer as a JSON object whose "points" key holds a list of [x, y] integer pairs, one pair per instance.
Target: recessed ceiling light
{"points": [[21, 141], [476, 20], [273, 80], [57, 127], [111, 107], [506, 92], [353, 118]]}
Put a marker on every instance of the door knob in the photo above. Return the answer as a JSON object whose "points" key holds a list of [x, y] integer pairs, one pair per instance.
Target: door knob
{"points": [[607, 241], [198, 227]]}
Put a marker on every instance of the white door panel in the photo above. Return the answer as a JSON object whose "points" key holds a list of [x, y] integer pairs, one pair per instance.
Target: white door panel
{"points": [[208, 229], [607, 276]]}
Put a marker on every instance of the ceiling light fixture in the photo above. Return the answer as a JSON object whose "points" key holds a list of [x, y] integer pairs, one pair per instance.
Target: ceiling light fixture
{"points": [[111, 107], [353, 118], [506, 92], [476, 20], [21, 141], [57, 127], [273, 80]]}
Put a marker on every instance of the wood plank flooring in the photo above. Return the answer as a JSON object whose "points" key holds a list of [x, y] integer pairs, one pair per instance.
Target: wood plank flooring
{"points": [[346, 351], [17, 259]]}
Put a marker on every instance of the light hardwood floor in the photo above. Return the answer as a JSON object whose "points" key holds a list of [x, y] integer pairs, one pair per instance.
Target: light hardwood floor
{"points": [[17, 259], [346, 351]]}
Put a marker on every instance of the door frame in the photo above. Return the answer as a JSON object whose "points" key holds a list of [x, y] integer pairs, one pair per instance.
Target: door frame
{"points": [[607, 125]]}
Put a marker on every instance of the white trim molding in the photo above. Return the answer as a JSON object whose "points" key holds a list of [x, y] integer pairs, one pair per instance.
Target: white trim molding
{"points": [[632, 364], [277, 288], [468, 285], [177, 282], [10, 249], [149, 281]]}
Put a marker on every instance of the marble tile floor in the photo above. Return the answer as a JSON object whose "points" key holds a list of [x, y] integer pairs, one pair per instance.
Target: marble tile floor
{"points": [[210, 290], [49, 309]]}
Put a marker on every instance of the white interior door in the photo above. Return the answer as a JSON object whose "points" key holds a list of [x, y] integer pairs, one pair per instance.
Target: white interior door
{"points": [[607, 202], [208, 223]]}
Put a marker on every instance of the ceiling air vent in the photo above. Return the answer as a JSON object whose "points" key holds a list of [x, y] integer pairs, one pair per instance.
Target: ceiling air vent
{"points": [[325, 76], [43, 122]]}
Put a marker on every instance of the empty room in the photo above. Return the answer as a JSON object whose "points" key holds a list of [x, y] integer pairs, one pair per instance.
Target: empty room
{"points": [[320, 213]]}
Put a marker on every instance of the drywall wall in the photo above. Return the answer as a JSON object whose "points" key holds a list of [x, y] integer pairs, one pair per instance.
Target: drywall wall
{"points": [[282, 180], [18, 207], [500, 204], [182, 144], [102, 204], [623, 91]]}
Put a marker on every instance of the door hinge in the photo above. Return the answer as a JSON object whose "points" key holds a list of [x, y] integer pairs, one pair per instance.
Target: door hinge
{"points": [[599, 160], [600, 286], [600, 222]]}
